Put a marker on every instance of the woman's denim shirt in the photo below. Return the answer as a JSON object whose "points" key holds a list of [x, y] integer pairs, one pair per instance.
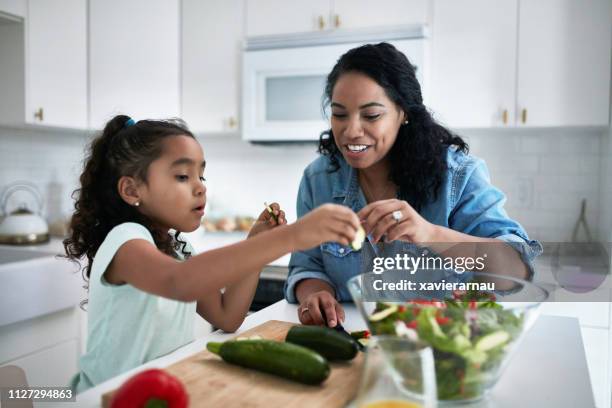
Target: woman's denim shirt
{"points": [[466, 202]]}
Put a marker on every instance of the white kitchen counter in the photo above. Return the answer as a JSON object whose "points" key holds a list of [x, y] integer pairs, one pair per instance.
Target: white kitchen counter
{"points": [[548, 370]]}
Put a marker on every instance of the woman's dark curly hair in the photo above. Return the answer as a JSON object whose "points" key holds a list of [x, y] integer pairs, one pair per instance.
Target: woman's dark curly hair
{"points": [[418, 156], [124, 148]]}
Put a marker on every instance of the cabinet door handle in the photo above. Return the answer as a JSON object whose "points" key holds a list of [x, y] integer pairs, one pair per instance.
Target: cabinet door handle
{"points": [[337, 21], [39, 114], [321, 23], [524, 116], [505, 116]]}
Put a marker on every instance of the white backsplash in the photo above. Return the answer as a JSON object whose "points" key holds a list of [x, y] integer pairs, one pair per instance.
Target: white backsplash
{"points": [[545, 173]]}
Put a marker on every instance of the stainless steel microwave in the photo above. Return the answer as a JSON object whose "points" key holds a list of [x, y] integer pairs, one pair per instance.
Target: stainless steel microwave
{"points": [[283, 79]]}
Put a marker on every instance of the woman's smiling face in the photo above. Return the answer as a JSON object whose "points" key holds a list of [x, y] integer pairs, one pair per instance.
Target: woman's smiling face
{"points": [[364, 120]]}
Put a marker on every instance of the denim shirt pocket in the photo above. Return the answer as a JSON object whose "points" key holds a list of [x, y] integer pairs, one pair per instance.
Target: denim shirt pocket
{"points": [[337, 250]]}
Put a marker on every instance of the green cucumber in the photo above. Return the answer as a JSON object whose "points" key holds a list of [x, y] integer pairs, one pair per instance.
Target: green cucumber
{"points": [[282, 359], [329, 343], [492, 340]]}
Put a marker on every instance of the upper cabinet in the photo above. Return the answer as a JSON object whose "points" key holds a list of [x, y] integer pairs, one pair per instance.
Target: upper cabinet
{"points": [[210, 68], [268, 17], [492, 63], [134, 59], [564, 63], [365, 14], [56, 63], [521, 63], [44, 65], [473, 62]]}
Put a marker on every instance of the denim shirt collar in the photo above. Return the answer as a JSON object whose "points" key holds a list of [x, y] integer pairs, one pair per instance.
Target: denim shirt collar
{"points": [[345, 186]]}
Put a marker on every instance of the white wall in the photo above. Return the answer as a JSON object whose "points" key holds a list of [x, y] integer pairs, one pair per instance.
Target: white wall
{"points": [[545, 173]]}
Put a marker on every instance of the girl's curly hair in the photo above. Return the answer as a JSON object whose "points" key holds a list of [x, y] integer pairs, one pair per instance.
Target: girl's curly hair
{"points": [[124, 148], [418, 156]]}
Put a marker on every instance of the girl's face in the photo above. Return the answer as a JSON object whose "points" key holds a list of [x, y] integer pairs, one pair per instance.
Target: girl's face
{"points": [[364, 120], [174, 195]]}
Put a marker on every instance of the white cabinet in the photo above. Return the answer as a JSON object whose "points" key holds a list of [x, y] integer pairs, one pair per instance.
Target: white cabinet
{"points": [[267, 17], [47, 348], [564, 63], [361, 13], [521, 63], [51, 367], [44, 65], [12, 69], [134, 59], [473, 62], [210, 64], [56, 63]]}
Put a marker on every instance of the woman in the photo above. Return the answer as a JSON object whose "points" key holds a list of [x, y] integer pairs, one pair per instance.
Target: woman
{"points": [[409, 179]]}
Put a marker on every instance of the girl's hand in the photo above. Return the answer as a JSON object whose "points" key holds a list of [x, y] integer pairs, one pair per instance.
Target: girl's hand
{"points": [[329, 222], [378, 220], [322, 309], [266, 220]]}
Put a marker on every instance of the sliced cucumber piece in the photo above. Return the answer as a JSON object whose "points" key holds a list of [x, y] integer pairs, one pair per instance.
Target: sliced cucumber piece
{"points": [[376, 317], [359, 238], [490, 341]]}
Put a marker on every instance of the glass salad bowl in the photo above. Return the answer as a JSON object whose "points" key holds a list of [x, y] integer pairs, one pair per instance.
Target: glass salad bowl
{"points": [[473, 329]]}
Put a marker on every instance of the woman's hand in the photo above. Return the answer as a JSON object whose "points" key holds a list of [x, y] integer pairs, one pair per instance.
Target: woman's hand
{"points": [[406, 225], [320, 308], [268, 220], [329, 222]]}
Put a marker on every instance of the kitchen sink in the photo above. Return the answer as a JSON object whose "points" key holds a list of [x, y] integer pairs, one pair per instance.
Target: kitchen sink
{"points": [[16, 254]]}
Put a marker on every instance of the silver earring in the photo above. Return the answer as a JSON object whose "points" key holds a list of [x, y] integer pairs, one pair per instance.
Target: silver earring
{"points": [[137, 203], [406, 122]]}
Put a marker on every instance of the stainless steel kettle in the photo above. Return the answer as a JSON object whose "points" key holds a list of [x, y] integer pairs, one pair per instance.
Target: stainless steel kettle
{"points": [[23, 226]]}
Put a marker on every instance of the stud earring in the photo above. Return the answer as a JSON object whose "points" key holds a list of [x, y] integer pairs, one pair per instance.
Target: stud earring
{"points": [[137, 203], [406, 122]]}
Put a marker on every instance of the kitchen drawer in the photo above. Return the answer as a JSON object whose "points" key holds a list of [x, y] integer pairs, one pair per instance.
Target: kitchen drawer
{"points": [[51, 367], [22, 338]]}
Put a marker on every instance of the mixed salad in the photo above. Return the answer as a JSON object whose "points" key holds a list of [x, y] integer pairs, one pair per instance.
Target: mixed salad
{"points": [[469, 335]]}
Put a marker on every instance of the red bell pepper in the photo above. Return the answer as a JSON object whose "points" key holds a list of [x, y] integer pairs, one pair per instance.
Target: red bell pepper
{"points": [[151, 389]]}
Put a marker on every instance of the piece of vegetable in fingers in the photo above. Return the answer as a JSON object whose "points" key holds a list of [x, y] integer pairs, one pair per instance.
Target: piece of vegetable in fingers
{"points": [[271, 212], [359, 238]]}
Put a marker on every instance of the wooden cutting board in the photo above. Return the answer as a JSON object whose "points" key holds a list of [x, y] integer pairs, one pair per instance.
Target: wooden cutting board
{"points": [[211, 382]]}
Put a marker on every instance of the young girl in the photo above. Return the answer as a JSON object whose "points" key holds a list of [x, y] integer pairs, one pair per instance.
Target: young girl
{"points": [[142, 180]]}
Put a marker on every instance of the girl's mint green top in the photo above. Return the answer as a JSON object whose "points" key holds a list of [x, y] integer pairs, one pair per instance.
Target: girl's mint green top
{"points": [[126, 326]]}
